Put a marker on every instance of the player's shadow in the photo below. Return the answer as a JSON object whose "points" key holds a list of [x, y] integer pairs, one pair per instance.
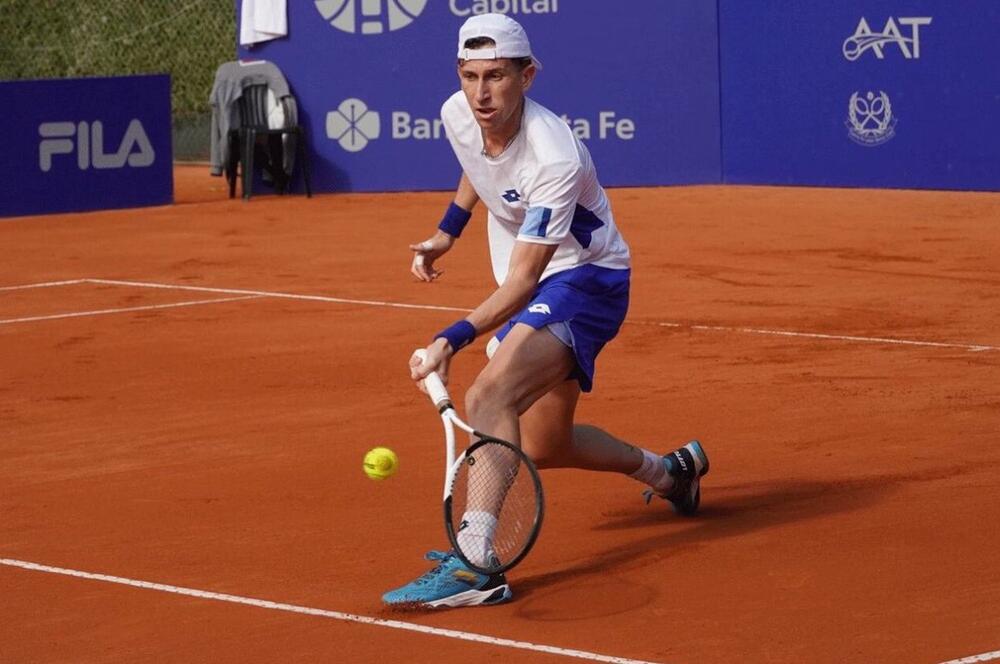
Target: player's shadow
{"points": [[729, 511]]}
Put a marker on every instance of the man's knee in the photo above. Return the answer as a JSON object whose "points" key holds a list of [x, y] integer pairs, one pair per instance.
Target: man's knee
{"points": [[486, 394], [549, 446], [545, 452]]}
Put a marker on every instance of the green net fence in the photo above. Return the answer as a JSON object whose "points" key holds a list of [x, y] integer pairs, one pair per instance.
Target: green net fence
{"points": [[187, 39]]}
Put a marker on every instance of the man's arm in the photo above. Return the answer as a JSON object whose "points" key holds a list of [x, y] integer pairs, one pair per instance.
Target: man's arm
{"points": [[426, 252], [527, 263], [466, 196]]}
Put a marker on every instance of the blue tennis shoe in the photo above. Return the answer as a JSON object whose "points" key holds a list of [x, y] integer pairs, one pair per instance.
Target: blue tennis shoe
{"points": [[450, 583]]}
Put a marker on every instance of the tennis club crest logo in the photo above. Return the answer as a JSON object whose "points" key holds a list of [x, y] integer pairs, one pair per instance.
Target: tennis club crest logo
{"points": [[869, 119], [370, 17], [352, 125]]}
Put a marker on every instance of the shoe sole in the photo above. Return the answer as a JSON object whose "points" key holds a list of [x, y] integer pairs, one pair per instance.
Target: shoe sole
{"points": [[497, 595], [687, 506]]}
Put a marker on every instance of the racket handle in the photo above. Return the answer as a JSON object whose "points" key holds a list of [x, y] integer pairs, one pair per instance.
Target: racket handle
{"points": [[435, 386]]}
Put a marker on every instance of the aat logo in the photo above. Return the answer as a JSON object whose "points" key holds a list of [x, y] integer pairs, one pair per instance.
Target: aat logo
{"points": [[865, 39], [370, 17], [353, 124]]}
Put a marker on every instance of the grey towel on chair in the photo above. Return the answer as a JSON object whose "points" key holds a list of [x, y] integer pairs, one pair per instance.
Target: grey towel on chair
{"points": [[230, 80]]}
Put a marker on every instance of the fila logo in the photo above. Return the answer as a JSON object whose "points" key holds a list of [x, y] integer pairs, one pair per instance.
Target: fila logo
{"points": [[864, 39], [540, 308], [88, 143]]}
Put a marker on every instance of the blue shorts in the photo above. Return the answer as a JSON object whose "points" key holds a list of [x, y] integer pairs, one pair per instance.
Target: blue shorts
{"points": [[592, 301]]}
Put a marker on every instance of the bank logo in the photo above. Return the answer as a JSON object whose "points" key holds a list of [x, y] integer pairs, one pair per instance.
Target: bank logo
{"points": [[370, 17], [869, 119], [353, 125], [864, 39], [87, 141]]}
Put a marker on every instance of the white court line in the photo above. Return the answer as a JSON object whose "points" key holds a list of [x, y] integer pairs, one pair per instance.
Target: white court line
{"points": [[431, 307], [972, 659], [702, 328], [100, 312], [289, 296], [832, 337], [336, 615], [46, 284]]}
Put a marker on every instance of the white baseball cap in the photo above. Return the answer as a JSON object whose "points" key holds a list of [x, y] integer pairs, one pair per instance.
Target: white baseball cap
{"points": [[510, 38]]}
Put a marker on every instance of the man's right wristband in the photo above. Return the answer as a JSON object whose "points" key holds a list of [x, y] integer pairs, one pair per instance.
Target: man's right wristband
{"points": [[459, 335], [455, 219]]}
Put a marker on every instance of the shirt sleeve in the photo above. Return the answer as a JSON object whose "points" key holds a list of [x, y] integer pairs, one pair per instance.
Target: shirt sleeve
{"points": [[551, 203]]}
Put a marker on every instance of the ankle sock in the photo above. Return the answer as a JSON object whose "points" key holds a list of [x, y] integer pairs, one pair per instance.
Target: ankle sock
{"points": [[475, 536], [654, 472]]}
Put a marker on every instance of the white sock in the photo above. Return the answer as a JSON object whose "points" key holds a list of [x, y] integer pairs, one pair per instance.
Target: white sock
{"points": [[653, 472], [475, 536]]}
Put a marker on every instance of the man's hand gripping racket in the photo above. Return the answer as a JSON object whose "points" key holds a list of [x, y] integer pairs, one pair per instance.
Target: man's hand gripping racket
{"points": [[493, 502]]}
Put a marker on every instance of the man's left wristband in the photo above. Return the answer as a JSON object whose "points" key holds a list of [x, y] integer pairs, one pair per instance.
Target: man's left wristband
{"points": [[459, 334], [454, 220]]}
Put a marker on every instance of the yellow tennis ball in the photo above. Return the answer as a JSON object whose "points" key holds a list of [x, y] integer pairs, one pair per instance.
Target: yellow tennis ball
{"points": [[380, 463]]}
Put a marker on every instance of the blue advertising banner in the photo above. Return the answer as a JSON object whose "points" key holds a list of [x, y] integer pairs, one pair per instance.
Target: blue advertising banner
{"points": [[873, 93], [637, 81], [85, 144]]}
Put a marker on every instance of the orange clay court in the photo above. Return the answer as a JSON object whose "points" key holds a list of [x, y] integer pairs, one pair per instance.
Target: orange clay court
{"points": [[188, 392]]}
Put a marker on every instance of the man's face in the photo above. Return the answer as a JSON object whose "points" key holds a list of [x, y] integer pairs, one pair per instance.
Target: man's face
{"points": [[494, 90]]}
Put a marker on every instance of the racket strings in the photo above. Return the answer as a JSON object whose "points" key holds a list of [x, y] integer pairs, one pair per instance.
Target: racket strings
{"points": [[495, 505]]}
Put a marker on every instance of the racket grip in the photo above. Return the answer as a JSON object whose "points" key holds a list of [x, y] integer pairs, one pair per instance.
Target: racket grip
{"points": [[435, 386]]}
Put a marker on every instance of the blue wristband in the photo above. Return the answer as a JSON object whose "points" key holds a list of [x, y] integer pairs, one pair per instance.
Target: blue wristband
{"points": [[455, 219], [459, 334]]}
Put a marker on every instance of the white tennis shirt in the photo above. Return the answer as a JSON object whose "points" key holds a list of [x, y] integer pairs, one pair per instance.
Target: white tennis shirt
{"points": [[543, 189]]}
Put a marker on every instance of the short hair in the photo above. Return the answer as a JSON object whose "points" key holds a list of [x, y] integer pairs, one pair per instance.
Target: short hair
{"points": [[484, 42]]}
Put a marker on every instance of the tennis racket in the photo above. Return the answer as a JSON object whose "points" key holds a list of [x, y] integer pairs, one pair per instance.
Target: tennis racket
{"points": [[493, 501]]}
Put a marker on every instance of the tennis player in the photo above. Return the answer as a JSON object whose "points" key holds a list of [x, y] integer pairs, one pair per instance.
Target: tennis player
{"points": [[563, 272]]}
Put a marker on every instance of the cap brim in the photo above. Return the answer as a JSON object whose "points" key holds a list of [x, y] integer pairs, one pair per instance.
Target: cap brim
{"points": [[467, 54]]}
